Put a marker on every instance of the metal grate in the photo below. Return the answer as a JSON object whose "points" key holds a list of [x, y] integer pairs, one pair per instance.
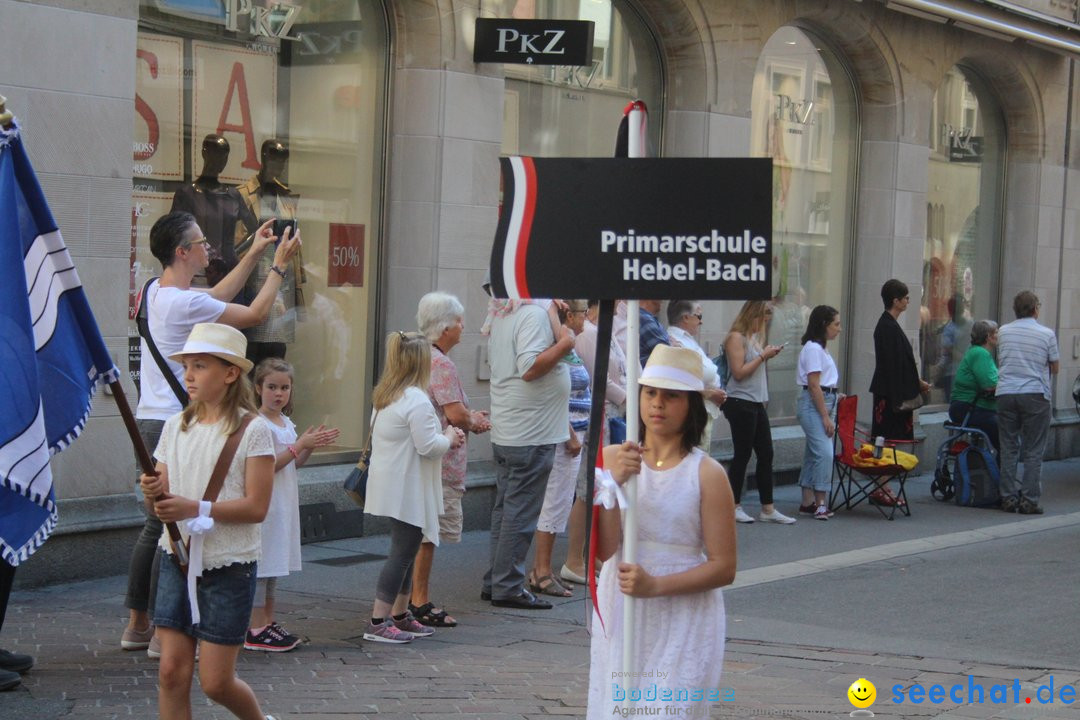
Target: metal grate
{"points": [[320, 521]]}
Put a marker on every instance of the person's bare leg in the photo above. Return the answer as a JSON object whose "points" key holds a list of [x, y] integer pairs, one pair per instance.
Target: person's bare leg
{"points": [[217, 674], [401, 604], [174, 674], [544, 542], [425, 556], [575, 551]]}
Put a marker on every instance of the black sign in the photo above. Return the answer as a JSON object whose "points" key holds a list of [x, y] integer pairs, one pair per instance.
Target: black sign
{"points": [[647, 228], [966, 148], [533, 42]]}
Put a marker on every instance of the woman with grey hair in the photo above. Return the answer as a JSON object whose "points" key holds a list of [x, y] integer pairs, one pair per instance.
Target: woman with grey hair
{"points": [[441, 320], [973, 403]]}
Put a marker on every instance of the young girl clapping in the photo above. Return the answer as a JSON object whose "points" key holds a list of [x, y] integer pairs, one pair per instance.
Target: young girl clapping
{"points": [[224, 531], [281, 529]]}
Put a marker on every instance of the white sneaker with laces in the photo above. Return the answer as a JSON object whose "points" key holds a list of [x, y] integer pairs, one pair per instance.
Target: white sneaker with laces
{"points": [[776, 517], [741, 516]]}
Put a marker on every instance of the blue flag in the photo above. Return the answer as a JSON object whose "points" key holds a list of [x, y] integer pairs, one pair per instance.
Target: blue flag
{"points": [[52, 357]]}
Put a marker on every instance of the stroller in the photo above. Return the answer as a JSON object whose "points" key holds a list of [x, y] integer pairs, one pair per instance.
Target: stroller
{"points": [[962, 440]]}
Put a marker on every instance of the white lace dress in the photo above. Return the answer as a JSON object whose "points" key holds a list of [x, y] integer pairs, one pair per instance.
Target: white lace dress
{"points": [[679, 638]]}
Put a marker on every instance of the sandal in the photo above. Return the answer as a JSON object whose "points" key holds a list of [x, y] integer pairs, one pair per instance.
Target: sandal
{"points": [[548, 585], [427, 615]]}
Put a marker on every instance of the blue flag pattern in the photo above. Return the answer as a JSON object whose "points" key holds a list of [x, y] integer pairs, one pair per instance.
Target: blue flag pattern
{"points": [[52, 357]]}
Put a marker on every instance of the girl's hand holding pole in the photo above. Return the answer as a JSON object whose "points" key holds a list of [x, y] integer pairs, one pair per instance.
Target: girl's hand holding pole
{"points": [[173, 508], [635, 582], [627, 461], [152, 486]]}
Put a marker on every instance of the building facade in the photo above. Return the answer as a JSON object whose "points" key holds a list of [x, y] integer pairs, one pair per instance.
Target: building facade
{"points": [[930, 141]]}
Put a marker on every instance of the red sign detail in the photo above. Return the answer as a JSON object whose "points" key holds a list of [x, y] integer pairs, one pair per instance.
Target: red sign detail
{"points": [[346, 255]]}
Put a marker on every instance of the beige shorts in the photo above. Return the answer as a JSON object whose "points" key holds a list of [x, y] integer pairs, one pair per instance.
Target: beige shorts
{"points": [[450, 521]]}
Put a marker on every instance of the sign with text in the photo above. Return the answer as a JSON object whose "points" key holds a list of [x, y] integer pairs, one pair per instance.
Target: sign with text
{"points": [[346, 255], [533, 42], [644, 228], [158, 146], [235, 96]]}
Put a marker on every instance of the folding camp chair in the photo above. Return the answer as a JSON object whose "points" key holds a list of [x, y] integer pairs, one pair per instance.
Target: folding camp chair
{"points": [[859, 474]]}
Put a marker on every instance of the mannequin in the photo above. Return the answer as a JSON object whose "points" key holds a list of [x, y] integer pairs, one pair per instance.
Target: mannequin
{"points": [[217, 207], [267, 195]]}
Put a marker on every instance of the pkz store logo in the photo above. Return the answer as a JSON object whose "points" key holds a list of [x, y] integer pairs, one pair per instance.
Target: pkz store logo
{"points": [[533, 42], [274, 21]]}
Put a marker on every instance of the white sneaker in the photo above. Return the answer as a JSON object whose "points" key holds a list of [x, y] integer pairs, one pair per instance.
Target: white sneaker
{"points": [[741, 516], [774, 517]]}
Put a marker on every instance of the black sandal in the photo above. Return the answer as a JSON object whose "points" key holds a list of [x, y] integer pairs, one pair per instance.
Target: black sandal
{"points": [[425, 615]]}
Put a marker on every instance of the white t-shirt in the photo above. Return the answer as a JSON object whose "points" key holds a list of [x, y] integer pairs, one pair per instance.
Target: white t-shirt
{"points": [[813, 358], [190, 458], [171, 314], [526, 413]]}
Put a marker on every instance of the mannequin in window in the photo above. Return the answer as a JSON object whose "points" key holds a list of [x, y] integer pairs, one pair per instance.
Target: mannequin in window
{"points": [[217, 207], [267, 195]]}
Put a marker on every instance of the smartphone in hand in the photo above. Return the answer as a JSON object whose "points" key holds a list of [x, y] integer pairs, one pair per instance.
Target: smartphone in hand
{"points": [[279, 228]]}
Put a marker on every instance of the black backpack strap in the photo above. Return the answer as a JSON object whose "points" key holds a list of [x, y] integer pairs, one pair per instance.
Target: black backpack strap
{"points": [[141, 319]]}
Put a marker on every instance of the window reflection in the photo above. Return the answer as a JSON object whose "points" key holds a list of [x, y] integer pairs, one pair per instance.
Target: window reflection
{"points": [[962, 225], [804, 117]]}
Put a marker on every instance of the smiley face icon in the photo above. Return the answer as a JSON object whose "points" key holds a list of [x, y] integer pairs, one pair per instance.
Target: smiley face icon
{"points": [[862, 693]]}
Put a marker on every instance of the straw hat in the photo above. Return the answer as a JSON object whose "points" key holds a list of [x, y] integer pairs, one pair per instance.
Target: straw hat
{"points": [[673, 368], [218, 340]]}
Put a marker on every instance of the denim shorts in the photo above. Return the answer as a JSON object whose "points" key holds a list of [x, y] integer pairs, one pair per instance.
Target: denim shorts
{"points": [[225, 598]]}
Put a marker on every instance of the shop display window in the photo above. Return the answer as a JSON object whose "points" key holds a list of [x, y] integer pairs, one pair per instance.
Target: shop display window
{"points": [[250, 110], [574, 111], [805, 117], [963, 225]]}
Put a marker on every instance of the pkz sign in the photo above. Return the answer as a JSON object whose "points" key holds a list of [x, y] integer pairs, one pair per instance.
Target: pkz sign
{"points": [[533, 42]]}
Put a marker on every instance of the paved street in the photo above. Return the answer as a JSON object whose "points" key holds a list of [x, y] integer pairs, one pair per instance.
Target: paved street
{"points": [[932, 599]]}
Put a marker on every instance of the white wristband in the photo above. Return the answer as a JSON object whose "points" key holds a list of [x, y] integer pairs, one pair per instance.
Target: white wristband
{"points": [[204, 508]]}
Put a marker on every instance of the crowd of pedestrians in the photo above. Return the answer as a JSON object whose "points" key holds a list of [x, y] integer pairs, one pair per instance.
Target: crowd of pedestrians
{"points": [[227, 456]]}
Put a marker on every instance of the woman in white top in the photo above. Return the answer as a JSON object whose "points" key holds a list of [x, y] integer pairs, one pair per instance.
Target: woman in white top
{"points": [[747, 395], [404, 479], [684, 323], [819, 378]]}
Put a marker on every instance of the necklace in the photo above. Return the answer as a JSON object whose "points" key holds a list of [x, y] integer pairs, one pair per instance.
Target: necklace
{"points": [[660, 463]]}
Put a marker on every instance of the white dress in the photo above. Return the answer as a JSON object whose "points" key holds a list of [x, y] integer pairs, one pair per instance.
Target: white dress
{"points": [[281, 528], [680, 636]]}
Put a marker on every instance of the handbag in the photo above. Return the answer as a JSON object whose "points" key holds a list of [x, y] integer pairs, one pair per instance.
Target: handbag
{"points": [[912, 403], [356, 483], [217, 480]]}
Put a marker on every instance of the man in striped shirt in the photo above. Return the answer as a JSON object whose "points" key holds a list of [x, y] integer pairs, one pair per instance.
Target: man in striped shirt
{"points": [[1027, 356]]}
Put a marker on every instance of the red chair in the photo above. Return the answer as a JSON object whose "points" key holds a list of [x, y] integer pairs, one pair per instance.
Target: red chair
{"points": [[860, 476]]}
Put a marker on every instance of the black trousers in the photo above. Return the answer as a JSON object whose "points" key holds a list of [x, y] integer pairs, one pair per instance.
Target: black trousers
{"points": [[7, 578], [750, 433]]}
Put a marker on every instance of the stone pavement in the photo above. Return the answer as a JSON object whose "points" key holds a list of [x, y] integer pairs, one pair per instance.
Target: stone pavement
{"points": [[515, 664]]}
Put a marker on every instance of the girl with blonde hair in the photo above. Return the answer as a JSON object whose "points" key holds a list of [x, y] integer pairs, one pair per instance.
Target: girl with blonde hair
{"points": [[404, 479]]}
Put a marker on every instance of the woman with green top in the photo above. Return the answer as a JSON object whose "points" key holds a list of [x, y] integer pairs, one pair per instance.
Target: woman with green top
{"points": [[973, 403]]}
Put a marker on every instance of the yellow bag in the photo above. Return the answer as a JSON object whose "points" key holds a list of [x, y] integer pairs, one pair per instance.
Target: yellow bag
{"points": [[889, 456]]}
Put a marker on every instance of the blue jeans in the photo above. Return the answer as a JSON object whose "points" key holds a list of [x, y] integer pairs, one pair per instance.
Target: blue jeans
{"points": [[817, 464], [521, 475], [1023, 421], [225, 596]]}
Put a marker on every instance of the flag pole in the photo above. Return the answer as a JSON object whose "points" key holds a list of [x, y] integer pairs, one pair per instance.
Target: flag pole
{"points": [[146, 461], [635, 149]]}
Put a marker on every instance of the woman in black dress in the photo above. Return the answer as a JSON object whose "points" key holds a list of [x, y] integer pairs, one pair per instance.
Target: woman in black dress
{"points": [[896, 381]]}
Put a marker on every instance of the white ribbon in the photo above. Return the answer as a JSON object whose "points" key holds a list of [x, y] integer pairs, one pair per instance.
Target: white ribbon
{"points": [[197, 528], [608, 492]]}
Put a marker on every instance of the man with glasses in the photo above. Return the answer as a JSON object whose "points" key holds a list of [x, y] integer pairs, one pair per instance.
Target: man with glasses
{"points": [[1027, 357], [684, 323], [173, 308]]}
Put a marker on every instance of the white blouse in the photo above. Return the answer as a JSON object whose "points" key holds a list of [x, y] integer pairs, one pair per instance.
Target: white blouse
{"points": [[404, 478]]}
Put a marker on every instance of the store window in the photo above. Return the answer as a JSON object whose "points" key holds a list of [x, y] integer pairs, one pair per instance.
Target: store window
{"points": [[804, 116], [963, 224], [574, 111], [247, 111]]}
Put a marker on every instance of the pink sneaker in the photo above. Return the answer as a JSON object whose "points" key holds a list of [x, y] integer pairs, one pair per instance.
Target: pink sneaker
{"points": [[387, 632], [411, 625]]}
